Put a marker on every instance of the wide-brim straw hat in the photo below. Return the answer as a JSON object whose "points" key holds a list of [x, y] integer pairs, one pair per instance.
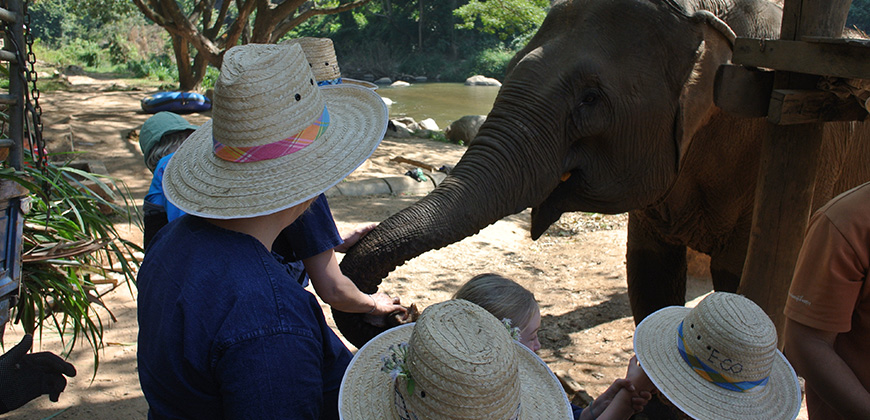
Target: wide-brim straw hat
{"points": [[275, 140], [464, 365], [731, 369], [320, 53]]}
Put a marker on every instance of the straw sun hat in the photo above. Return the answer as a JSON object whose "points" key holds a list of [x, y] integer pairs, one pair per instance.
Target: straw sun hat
{"points": [[320, 53], [275, 139], [463, 364], [718, 360]]}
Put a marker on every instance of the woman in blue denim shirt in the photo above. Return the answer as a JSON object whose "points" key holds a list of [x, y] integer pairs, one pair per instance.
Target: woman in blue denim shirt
{"points": [[224, 331]]}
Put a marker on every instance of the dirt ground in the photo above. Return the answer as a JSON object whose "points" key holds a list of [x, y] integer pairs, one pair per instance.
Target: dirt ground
{"points": [[576, 271]]}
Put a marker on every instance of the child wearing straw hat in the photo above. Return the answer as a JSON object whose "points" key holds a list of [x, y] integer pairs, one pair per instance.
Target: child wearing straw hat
{"points": [[308, 245], [717, 360], [320, 53], [510, 302], [456, 362], [224, 330]]}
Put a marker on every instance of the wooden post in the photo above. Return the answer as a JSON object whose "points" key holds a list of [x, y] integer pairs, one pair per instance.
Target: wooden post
{"points": [[784, 193]]}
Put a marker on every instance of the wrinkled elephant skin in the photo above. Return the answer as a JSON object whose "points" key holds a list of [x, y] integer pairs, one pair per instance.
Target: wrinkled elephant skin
{"points": [[609, 109]]}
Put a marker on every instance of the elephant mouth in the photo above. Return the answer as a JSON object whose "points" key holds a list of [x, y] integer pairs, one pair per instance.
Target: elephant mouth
{"points": [[550, 210]]}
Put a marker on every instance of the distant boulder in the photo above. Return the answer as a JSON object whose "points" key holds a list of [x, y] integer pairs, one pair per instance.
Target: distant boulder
{"points": [[398, 129], [428, 124], [407, 121], [383, 81], [479, 80], [73, 70], [464, 129], [387, 101], [420, 79], [400, 83]]}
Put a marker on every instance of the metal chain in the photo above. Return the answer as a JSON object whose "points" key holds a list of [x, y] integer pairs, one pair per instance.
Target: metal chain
{"points": [[33, 109]]}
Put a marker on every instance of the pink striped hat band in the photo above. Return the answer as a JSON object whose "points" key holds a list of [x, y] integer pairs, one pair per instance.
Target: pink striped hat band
{"points": [[276, 149]]}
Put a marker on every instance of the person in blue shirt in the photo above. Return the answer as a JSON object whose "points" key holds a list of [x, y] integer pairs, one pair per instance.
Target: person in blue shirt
{"points": [[159, 137], [307, 246], [224, 329]]}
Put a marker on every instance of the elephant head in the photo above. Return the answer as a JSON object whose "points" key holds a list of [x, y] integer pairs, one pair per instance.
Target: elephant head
{"points": [[595, 114]]}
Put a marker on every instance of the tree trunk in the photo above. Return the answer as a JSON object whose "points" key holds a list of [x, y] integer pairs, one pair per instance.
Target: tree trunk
{"points": [[420, 28], [182, 61], [451, 29]]}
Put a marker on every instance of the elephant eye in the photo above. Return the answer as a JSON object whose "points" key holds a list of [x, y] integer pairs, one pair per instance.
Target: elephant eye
{"points": [[589, 98]]}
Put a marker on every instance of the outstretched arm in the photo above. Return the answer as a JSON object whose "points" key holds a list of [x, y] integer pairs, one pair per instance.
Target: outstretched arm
{"points": [[339, 291], [631, 395], [811, 352]]}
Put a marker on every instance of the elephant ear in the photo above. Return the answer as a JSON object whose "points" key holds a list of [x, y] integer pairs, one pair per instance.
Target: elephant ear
{"points": [[696, 99]]}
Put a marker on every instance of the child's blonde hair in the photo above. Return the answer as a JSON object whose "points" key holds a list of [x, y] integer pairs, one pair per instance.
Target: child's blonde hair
{"points": [[501, 297]]}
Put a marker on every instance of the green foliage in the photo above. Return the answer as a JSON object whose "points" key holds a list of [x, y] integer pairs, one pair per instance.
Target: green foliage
{"points": [[383, 38], [859, 15], [57, 22], [491, 63], [156, 67], [211, 75], [437, 136], [70, 242], [506, 18], [50, 21], [394, 41], [103, 11], [79, 52]]}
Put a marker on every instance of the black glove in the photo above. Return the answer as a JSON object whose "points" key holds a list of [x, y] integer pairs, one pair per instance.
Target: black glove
{"points": [[24, 377]]}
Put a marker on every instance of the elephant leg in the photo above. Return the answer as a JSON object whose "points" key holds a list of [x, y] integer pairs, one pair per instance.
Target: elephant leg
{"points": [[656, 269], [726, 264], [725, 277]]}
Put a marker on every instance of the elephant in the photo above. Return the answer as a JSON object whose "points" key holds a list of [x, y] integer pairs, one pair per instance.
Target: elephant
{"points": [[609, 109]]}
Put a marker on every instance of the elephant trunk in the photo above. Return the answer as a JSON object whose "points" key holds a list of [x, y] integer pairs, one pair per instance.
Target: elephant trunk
{"points": [[487, 184], [468, 200]]}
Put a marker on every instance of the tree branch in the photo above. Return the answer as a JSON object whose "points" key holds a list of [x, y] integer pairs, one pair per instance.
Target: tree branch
{"points": [[150, 14], [287, 25], [235, 30]]}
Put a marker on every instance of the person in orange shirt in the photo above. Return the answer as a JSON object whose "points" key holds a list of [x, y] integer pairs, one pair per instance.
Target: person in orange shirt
{"points": [[827, 332]]}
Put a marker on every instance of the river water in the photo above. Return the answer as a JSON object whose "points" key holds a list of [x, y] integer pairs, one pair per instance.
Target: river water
{"points": [[443, 102]]}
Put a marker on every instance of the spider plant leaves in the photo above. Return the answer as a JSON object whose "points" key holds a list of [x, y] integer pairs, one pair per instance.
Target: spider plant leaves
{"points": [[70, 245]]}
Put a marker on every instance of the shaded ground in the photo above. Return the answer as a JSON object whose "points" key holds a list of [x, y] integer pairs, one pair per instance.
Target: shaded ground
{"points": [[576, 270]]}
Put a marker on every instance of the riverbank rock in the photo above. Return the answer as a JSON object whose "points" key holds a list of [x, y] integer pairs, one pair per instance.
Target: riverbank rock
{"points": [[398, 129], [479, 80], [464, 129], [383, 81], [400, 83], [429, 124], [387, 101], [421, 79]]}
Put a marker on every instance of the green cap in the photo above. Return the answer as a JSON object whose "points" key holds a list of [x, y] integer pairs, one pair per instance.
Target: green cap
{"points": [[157, 126]]}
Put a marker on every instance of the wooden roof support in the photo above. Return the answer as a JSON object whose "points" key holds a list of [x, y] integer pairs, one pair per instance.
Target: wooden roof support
{"points": [[824, 57], [790, 106], [784, 193]]}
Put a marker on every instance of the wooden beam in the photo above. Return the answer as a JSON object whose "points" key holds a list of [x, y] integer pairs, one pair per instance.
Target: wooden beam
{"points": [[789, 106], [743, 91], [838, 59]]}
